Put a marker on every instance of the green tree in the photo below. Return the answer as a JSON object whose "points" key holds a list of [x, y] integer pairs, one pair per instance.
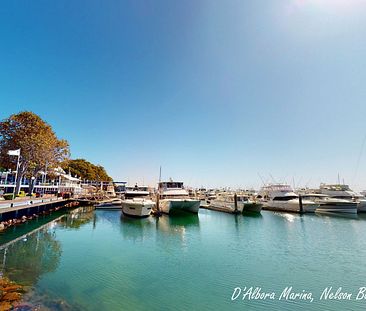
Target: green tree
{"points": [[86, 170], [38, 143]]}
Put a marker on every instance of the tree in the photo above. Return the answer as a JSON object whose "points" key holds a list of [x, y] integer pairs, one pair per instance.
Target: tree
{"points": [[38, 144], [86, 170]]}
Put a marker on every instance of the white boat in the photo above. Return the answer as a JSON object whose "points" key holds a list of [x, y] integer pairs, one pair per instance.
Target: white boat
{"points": [[243, 203], [110, 204], [137, 202], [174, 198], [281, 197], [331, 205], [226, 201], [344, 192]]}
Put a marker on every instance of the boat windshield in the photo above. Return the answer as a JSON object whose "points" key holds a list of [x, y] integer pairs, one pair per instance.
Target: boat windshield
{"points": [[171, 185], [286, 198], [344, 197]]}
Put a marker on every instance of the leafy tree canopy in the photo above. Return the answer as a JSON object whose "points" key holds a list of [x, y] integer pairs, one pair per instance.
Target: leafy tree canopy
{"points": [[38, 143], [86, 170]]}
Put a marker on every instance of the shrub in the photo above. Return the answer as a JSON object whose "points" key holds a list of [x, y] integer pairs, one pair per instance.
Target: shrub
{"points": [[21, 194], [8, 196]]}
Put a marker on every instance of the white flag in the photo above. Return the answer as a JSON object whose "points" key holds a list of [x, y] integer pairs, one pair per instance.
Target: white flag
{"points": [[14, 152]]}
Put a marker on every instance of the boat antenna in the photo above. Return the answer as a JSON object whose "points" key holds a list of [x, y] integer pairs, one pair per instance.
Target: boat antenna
{"points": [[338, 180], [359, 159], [270, 175], [299, 181], [160, 175], [307, 184], [261, 179]]}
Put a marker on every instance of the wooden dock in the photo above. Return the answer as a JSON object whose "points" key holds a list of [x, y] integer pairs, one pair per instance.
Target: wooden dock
{"points": [[220, 209], [16, 209]]}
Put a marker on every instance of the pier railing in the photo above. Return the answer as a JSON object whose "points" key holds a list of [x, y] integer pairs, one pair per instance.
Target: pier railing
{"points": [[31, 201]]}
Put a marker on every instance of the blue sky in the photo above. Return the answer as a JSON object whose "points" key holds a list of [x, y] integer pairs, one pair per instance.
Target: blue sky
{"points": [[216, 92]]}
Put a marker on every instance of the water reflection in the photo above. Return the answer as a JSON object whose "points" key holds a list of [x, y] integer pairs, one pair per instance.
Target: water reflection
{"points": [[25, 260], [362, 216], [176, 232], [34, 249], [252, 215], [136, 229], [78, 217], [177, 224], [337, 215], [290, 217]]}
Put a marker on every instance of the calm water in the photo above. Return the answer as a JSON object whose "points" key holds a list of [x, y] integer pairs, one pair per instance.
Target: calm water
{"points": [[98, 260]]}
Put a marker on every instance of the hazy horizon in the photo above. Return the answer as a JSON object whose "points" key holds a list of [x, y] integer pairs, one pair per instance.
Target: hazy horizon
{"points": [[217, 93]]}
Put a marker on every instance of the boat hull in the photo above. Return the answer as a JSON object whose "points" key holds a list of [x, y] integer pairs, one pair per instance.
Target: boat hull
{"points": [[350, 208], [252, 207], [137, 209], [227, 205], [361, 208], [292, 206], [169, 206], [108, 206]]}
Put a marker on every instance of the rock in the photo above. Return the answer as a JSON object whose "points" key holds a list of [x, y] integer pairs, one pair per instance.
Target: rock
{"points": [[12, 296], [23, 307], [4, 306], [12, 288]]}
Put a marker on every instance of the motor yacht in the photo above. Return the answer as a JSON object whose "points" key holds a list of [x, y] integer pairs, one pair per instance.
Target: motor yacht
{"points": [[137, 202], [173, 198], [331, 205], [281, 197]]}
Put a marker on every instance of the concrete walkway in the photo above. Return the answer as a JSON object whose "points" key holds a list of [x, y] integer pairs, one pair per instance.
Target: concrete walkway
{"points": [[27, 201]]}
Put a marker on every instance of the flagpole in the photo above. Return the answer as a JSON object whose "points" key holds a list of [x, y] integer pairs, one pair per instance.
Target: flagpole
{"points": [[16, 175]]}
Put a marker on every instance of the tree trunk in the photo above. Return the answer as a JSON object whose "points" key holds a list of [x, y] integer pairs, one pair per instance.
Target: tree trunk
{"points": [[31, 186], [21, 171], [17, 183]]}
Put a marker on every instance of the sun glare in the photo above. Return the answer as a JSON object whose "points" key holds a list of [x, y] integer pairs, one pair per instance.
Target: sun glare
{"points": [[330, 4]]}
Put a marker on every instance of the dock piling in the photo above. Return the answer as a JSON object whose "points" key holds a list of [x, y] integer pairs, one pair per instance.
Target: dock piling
{"points": [[157, 203], [235, 203], [301, 206]]}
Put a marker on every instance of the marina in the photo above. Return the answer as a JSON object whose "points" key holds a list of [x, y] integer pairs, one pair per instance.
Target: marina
{"points": [[253, 252], [183, 155]]}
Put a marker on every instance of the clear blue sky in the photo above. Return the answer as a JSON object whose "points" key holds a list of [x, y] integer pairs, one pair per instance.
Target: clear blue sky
{"points": [[214, 91]]}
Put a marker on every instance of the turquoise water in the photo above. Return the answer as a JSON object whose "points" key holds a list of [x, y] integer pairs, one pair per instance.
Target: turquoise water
{"points": [[100, 260]]}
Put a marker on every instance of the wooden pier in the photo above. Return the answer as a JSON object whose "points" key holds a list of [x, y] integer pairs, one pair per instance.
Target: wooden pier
{"points": [[220, 209], [17, 209]]}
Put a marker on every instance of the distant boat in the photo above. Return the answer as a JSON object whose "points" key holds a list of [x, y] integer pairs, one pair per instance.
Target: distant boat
{"points": [[343, 192], [281, 197], [111, 204], [226, 201], [243, 203], [137, 202], [174, 198], [251, 206], [331, 205]]}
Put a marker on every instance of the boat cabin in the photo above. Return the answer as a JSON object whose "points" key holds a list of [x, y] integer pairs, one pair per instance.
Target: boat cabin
{"points": [[166, 185], [172, 189], [136, 192]]}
